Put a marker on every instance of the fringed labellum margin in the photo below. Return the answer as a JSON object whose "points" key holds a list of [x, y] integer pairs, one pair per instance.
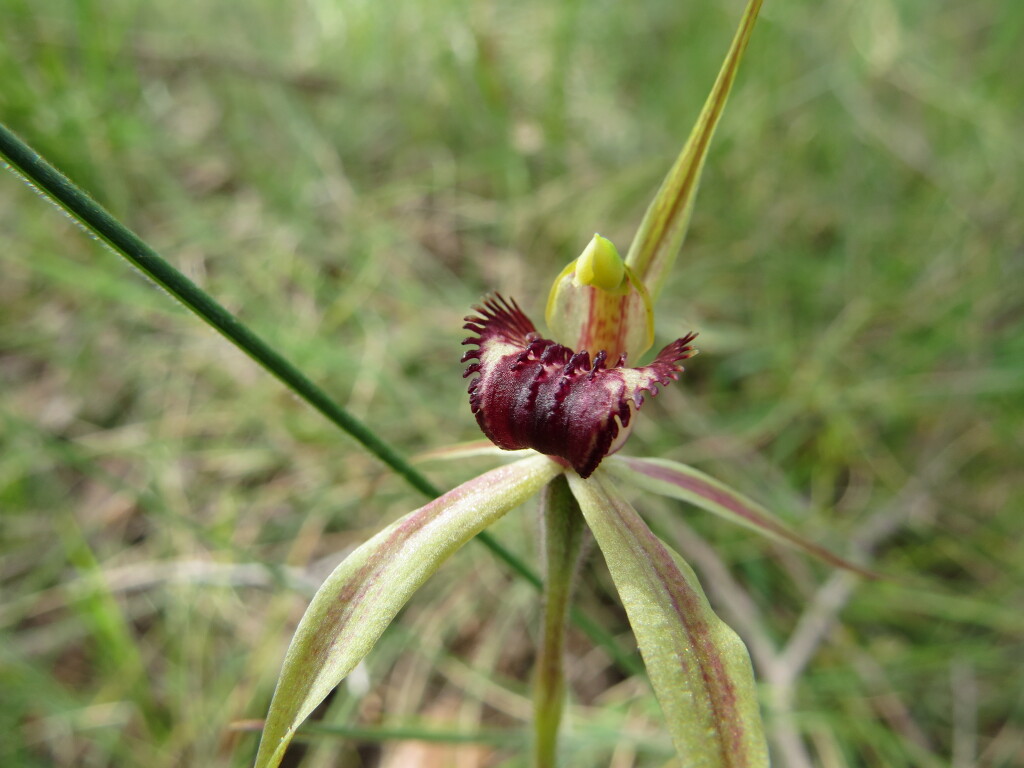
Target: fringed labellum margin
{"points": [[535, 393]]}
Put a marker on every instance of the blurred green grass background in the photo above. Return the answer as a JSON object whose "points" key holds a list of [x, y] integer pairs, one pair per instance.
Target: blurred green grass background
{"points": [[349, 177]]}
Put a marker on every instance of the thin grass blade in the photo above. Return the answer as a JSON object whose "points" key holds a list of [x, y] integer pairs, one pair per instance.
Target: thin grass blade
{"points": [[100, 222], [699, 667], [664, 226], [679, 481], [359, 600]]}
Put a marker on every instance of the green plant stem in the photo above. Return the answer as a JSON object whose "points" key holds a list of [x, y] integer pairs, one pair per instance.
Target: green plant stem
{"points": [[101, 223], [562, 526], [96, 220]]}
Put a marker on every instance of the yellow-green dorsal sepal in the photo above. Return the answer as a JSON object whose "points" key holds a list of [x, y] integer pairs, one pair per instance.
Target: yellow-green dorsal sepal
{"points": [[597, 303], [664, 226]]}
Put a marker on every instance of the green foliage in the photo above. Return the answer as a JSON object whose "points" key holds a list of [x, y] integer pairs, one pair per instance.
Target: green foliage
{"points": [[349, 178], [698, 666], [362, 596]]}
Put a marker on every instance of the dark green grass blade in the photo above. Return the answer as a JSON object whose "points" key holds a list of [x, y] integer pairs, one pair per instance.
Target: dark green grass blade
{"points": [[98, 221]]}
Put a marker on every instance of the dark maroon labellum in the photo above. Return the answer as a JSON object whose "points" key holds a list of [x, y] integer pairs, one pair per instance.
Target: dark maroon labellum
{"points": [[534, 393]]}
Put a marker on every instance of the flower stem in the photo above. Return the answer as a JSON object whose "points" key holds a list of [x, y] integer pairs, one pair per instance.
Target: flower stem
{"points": [[562, 530]]}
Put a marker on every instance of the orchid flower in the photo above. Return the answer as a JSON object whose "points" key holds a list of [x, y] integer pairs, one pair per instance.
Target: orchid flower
{"points": [[567, 407]]}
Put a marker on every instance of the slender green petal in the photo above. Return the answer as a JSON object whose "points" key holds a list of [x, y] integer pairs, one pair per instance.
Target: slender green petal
{"points": [[698, 666], [562, 525], [358, 601], [663, 229], [679, 481]]}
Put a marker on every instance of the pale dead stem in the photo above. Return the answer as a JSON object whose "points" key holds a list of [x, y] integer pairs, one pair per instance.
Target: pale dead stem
{"points": [[152, 574]]}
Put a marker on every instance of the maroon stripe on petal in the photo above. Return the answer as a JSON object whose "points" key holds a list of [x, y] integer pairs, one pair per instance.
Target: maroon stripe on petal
{"points": [[737, 505], [699, 668]]}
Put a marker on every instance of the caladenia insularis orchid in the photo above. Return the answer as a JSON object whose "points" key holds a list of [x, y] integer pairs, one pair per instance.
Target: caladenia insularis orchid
{"points": [[566, 405]]}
